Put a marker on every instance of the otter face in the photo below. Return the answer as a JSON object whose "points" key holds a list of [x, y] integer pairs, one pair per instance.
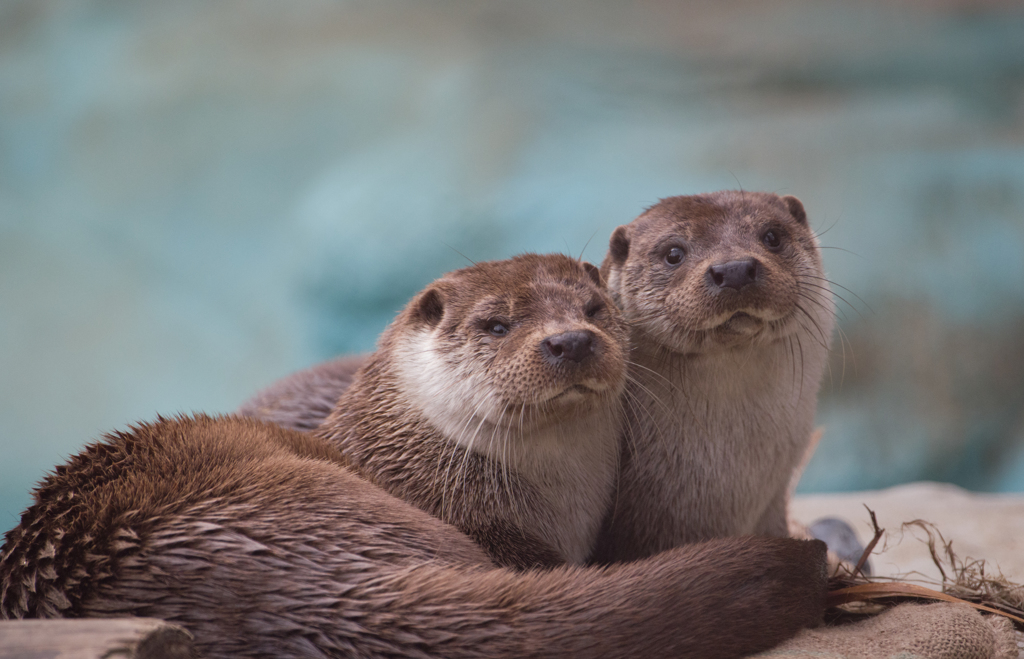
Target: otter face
{"points": [[519, 344], [698, 273]]}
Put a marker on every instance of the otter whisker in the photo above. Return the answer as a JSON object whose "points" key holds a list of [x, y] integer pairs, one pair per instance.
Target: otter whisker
{"points": [[508, 459], [841, 249], [800, 349], [644, 388], [844, 340], [838, 285], [821, 296], [792, 359], [449, 486], [636, 404], [468, 451], [633, 403], [503, 466], [650, 371], [817, 236], [823, 339]]}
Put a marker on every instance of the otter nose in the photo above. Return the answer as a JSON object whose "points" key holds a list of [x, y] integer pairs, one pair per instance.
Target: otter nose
{"points": [[572, 346], [734, 274]]}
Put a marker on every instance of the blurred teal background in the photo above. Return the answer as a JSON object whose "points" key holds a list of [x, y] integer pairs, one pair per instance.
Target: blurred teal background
{"points": [[197, 198]]}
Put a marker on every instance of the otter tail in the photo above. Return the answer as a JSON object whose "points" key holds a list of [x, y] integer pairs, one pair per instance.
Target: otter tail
{"points": [[723, 598]]}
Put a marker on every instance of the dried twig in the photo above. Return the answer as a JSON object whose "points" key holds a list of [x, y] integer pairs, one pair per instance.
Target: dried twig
{"points": [[858, 570], [880, 591], [963, 580]]}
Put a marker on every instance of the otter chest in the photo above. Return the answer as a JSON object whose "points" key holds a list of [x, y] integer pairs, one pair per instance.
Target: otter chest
{"points": [[573, 468]]}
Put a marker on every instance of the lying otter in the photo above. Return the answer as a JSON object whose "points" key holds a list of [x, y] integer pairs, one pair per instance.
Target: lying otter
{"points": [[496, 393], [731, 319], [264, 541], [262, 544]]}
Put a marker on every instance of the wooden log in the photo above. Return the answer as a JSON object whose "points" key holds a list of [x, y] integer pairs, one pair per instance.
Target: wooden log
{"points": [[94, 638]]}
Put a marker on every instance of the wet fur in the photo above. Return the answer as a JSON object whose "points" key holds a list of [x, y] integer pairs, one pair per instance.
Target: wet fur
{"points": [[720, 408], [262, 543]]}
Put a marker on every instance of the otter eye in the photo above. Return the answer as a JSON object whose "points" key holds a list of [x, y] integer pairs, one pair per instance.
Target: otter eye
{"points": [[771, 239], [496, 327], [675, 256], [594, 308]]}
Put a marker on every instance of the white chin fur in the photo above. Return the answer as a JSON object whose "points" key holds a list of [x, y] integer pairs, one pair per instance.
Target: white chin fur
{"points": [[453, 401]]}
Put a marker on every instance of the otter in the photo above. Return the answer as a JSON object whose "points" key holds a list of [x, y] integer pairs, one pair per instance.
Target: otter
{"points": [[497, 390], [724, 388], [731, 319], [262, 543], [265, 541]]}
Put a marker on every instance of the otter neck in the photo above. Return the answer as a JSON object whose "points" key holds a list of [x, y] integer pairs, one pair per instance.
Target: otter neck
{"points": [[554, 482], [722, 429]]}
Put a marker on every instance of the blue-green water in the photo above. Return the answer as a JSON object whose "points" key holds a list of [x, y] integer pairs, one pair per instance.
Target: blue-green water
{"points": [[197, 198]]}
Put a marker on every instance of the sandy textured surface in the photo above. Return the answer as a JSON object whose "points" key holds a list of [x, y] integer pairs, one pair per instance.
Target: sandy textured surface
{"points": [[981, 526]]}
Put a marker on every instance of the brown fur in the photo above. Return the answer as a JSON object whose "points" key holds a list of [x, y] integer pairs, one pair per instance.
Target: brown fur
{"points": [[488, 433], [721, 405], [261, 543]]}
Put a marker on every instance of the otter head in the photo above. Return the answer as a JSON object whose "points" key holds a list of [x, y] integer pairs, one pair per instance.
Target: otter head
{"points": [[510, 346], [698, 273]]}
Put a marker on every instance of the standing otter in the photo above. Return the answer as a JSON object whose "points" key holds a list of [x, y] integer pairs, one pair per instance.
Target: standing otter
{"points": [[497, 392], [732, 319], [263, 542]]}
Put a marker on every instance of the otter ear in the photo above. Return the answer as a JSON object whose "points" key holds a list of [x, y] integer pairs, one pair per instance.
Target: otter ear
{"points": [[429, 307], [796, 209], [618, 246], [594, 273]]}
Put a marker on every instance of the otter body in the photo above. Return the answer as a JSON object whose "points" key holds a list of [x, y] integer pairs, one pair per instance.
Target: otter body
{"points": [[264, 541], [261, 543], [731, 319], [729, 346], [498, 392]]}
